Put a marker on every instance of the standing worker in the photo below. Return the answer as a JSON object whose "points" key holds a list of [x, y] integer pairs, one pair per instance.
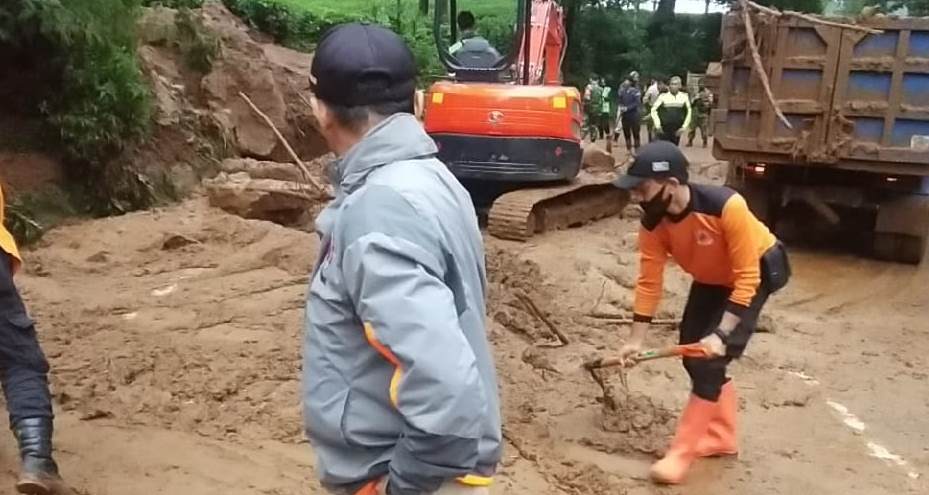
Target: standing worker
{"points": [[648, 100], [399, 386], [605, 122], [593, 104], [735, 262], [671, 113], [630, 99], [24, 376], [701, 104]]}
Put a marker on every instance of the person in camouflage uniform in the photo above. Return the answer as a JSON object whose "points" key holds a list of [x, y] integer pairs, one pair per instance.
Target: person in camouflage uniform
{"points": [[701, 105]]}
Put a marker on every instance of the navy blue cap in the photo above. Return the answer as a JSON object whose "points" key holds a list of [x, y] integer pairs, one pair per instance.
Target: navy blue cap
{"points": [[360, 64], [656, 160]]}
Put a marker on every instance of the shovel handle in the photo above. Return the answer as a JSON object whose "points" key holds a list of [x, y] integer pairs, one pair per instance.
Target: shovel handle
{"points": [[688, 350]]}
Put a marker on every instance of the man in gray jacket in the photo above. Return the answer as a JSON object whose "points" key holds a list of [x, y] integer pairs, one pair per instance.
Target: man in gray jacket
{"points": [[399, 386]]}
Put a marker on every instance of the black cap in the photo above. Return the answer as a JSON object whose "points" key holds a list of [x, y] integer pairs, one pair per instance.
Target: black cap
{"points": [[657, 160], [362, 64]]}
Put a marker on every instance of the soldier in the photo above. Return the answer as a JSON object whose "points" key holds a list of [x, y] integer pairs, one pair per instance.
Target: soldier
{"points": [[701, 105]]}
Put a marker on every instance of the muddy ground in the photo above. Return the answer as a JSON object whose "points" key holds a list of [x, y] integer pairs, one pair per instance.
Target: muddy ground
{"points": [[174, 338]]}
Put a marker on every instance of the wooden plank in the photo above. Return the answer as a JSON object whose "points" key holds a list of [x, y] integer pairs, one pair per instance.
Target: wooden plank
{"points": [[896, 87]]}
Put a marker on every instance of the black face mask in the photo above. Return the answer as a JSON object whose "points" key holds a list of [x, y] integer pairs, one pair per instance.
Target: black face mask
{"points": [[655, 209]]}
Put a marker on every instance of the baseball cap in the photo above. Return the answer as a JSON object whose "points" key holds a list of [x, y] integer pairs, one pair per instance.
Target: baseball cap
{"points": [[362, 64], [657, 160]]}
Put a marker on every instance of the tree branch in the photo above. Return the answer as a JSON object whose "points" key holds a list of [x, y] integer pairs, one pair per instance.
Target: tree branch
{"points": [[306, 173]]}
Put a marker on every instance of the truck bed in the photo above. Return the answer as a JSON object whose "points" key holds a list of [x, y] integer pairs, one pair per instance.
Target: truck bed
{"points": [[855, 100]]}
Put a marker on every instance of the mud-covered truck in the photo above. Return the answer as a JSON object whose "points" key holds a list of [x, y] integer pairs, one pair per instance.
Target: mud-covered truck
{"points": [[857, 100]]}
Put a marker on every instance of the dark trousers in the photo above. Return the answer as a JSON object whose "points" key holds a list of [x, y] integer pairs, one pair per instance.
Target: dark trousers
{"points": [[23, 367], [705, 307], [604, 123], [668, 134], [632, 130]]}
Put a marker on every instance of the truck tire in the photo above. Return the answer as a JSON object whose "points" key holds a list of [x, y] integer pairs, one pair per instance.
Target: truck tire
{"points": [[900, 248], [901, 231]]}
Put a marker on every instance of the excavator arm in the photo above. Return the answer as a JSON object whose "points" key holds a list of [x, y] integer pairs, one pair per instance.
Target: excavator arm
{"points": [[545, 46]]}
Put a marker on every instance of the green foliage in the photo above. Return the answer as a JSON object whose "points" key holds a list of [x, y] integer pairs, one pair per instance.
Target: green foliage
{"points": [[91, 93], [298, 29], [29, 215], [95, 96], [855, 7], [174, 4], [300, 23]]}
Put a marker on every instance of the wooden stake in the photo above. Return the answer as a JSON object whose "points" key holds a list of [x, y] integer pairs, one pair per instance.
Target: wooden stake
{"points": [[306, 173], [534, 310]]}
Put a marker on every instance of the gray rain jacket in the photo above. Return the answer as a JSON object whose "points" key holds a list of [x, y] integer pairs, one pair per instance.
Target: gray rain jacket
{"points": [[398, 377]]}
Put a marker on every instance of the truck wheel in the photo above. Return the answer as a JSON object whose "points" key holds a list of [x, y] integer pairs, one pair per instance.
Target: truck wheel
{"points": [[901, 248]]}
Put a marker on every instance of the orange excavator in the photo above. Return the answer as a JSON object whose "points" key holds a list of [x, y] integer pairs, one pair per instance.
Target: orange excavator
{"points": [[509, 126]]}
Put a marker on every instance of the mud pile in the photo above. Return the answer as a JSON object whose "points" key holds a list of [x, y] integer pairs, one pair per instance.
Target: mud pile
{"points": [[519, 301], [188, 319]]}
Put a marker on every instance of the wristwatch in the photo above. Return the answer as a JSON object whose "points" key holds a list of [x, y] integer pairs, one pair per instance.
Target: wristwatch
{"points": [[723, 336]]}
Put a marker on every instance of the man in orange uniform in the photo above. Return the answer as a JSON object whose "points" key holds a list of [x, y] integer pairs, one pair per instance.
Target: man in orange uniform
{"points": [[24, 376], [736, 263]]}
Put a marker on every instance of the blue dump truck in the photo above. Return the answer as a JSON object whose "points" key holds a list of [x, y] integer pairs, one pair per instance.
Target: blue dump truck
{"points": [[856, 152]]}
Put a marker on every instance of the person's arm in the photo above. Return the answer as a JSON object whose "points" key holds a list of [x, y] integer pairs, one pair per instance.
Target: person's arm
{"points": [[656, 120], [653, 256], [738, 225], [688, 114], [393, 270]]}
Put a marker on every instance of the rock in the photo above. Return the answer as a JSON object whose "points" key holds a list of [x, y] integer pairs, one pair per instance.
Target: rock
{"points": [[157, 26], [263, 169], [284, 202], [177, 241], [596, 159], [101, 257], [766, 324]]}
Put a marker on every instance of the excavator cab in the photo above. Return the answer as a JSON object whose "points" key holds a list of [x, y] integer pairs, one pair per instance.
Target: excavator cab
{"points": [[511, 120]]}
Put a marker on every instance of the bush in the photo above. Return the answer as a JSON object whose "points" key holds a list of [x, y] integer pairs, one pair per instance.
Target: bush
{"points": [[95, 96], [174, 4], [91, 93]]}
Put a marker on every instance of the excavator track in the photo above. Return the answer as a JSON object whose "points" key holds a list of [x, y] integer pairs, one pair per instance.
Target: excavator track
{"points": [[519, 215]]}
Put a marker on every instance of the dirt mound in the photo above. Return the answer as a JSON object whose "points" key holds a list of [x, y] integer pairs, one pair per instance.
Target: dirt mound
{"points": [[644, 425]]}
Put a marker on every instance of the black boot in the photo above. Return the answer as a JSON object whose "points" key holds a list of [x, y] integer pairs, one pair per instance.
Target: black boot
{"points": [[39, 474]]}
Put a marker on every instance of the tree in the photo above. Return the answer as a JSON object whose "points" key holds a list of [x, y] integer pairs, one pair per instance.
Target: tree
{"points": [[855, 7]]}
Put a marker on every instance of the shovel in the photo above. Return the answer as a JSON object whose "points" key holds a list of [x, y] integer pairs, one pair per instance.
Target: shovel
{"points": [[689, 350]]}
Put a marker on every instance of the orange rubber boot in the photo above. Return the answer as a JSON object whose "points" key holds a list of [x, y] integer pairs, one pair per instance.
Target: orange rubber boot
{"points": [[720, 438], [692, 426]]}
